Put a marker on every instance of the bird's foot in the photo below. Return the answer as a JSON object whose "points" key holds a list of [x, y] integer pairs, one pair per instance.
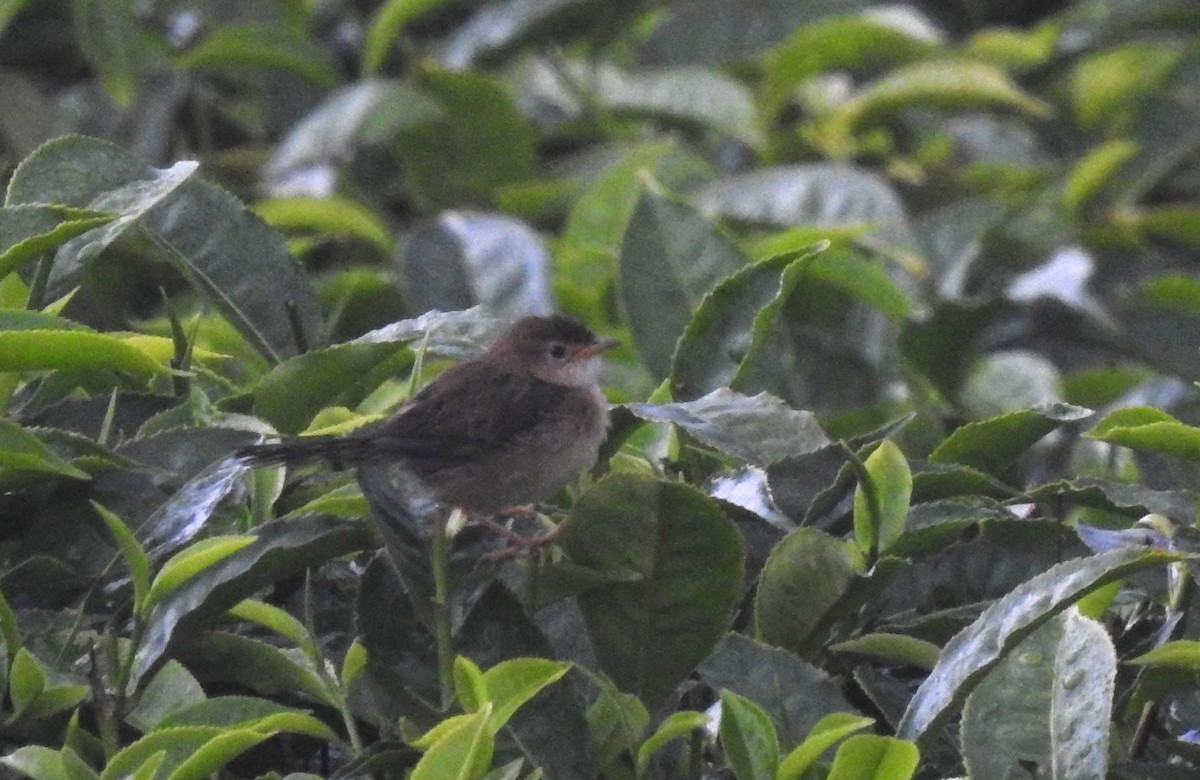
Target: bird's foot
{"points": [[518, 543]]}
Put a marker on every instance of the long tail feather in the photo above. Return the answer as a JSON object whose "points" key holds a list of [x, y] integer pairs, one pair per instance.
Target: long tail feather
{"points": [[339, 451]]}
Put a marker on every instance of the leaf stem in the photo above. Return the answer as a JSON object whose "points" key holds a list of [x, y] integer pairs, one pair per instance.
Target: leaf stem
{"points": [[443, 636]]}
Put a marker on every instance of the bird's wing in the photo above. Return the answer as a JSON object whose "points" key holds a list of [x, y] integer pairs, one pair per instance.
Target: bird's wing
{"points": [[465, 412]]}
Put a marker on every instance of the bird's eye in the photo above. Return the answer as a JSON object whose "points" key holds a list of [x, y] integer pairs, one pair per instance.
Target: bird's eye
{"points": [[558, 351]]}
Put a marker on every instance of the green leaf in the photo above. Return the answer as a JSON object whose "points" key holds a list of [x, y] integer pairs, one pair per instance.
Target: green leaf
{"points": [[37, 762], [177, 743], [1177, 654], [1150, 429], [805, 577], [794, 693], [1095, 170], [825, 734], [461, 753], [670, 258], [872, 757], [171, 689], [26, 680], [891, 649], [281, 549], [332, 216], [673, 564], [133, 553], [511, 683], [10, 629], [21, 450], [213, 755], [74, 350], [723, 341], [881, 500], [28, 230], [248, 712], [229, 255], [980, 646], [1180, 222], [353, 664], [692, 95], [264, 668], [616, 722], [991, 445], [835, 43], [276, 47], [190, 562], [278, 620], [386, 25], [37, 691], [469, 686], [677, 725], [957, 84], [748, 738], [481, 143], [292, 393]]}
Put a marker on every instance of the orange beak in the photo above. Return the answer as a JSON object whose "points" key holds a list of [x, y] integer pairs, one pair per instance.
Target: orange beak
{"points": [[603, 345]]}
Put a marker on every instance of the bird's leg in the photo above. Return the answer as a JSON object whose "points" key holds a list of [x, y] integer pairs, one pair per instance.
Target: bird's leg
{"points": [[519, 544]]}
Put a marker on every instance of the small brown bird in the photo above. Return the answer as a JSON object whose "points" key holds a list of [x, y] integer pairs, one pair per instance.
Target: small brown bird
{"points": [[506, 429]]}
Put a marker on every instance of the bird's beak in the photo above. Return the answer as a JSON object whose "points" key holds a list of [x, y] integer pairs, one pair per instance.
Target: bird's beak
{"points": [[603, 345]]}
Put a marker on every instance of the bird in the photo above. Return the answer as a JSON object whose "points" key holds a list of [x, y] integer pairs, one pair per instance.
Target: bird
{"points": [[501, 431]]}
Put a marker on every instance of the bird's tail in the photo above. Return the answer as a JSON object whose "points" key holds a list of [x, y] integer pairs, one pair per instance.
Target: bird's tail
{"points": [[338, 451]]}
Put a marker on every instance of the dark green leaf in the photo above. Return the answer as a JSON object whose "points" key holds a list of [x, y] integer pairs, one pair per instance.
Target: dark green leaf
{"points": [[806, 577], [670, 258], [724, 339], [675, 567], [793, 692], [280, 549], [991, 445]]}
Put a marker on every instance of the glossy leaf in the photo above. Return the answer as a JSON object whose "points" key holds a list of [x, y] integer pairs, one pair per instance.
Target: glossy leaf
{"points": [[292, 393], [279, 549], [760, 429], [979, 647], [946, 84], [75, 350], [1151, 429], [467, 258], [229, 255], [829, 195]]}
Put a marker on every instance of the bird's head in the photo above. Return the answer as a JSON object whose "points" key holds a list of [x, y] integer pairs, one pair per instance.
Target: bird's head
{"points": [[556, 349]]}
